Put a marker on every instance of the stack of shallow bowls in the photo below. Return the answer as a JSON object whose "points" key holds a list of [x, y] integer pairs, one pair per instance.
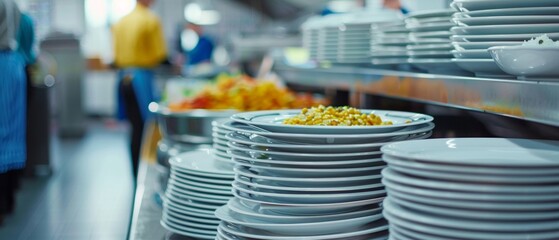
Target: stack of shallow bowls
{"points": [[197, 187], [220, 142], [479, 188], [309, 30], [430, 44], [388, 43], [310, 182], [484, 24]]}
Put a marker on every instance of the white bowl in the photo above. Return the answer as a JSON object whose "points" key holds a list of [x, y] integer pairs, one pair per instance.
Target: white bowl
{"points": [[527, 61]]}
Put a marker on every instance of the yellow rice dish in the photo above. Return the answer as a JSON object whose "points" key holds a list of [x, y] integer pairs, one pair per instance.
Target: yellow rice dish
{"points": [[335, 116]]}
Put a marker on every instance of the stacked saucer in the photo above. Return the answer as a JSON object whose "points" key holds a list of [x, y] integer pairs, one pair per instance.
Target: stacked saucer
{"points": [[388, 43], [310, 182], [430, 44], [477, 188], [309, 30], [354, 38], [197, 187], [220, 142], [484, 24]]}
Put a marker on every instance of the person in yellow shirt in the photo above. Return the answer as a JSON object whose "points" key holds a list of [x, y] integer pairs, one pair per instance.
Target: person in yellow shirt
{"points": [[139, 46]]}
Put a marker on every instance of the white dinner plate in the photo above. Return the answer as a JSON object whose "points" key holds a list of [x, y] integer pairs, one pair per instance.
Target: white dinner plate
{"points": [[469, 225], [481, 67], [255, 213], [296, 171], [430, 47], [203, 180], [200, 162], [500, 37], [194, 191], [182, 216], [307, 198], [372, 231], [460, 46], [440, 36], [176, 219], [413, 22], [190, 203], [389, 61], [172, 227], [501, 152], [474, 5], [506, 29], [297, 229], [505, 20], [431, 27], [481, 53], [190, 211], [315, 164], [273, 121], [193, 187], [272, 185], [199, 197], [431, 13], [507, 12]]}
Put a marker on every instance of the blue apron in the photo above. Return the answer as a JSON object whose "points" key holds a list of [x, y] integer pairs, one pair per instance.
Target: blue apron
{"points": [[12, 111], [142, 82]]}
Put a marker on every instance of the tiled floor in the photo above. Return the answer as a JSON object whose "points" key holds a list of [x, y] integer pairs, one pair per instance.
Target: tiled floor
{"points": [[89, 195]]}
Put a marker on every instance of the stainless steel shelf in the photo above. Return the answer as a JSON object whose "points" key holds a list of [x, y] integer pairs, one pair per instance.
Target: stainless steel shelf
{"points": [[535, 101]]}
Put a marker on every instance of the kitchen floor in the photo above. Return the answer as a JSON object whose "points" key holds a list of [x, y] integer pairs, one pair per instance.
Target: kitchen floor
{"points": [[88, 196]]}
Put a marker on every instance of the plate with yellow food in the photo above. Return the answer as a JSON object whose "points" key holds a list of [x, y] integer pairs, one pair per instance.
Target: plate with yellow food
{"points": [[332, 120]]}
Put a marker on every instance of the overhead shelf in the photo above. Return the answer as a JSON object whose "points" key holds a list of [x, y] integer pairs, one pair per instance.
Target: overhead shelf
{"points": [[530, 100]]}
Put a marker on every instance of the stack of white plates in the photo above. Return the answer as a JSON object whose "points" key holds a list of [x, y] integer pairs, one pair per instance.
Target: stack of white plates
{"points": [[430, 47], [309, 31], [388, 43], [220, 142], [478, 188], [197, 187], [328, 37], [310, 182], [484, 24]]}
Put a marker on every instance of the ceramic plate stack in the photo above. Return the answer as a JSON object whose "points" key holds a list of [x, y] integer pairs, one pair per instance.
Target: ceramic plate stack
{"points": [[484, 24], [328, 37], [388, 43], [430, 43], [309, 30], [472, 188], [220, 142], [197, 187], [310, 182]]}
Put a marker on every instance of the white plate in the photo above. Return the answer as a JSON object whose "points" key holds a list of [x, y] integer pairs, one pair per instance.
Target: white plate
{"points": [[271, 185], [189, 203], [182, 216], [272, 121], [372, 231], [509, 12], [311, 182], [469, 225], [188, 186], [199, 197], [481, 67], [297, 171], [186, 231], [431, 13], [506, 29], [441, 36], [430, 47], [439, 66], [500, 37], [482, 53], [505, 20], [271, 154], [470, 191], [307, 198], [501, 152], [208, 186], [255, 213], [473, 214], [205, 180], [460, 46], [473, 5], [195, 191], [413, 22], [389, 54], [389, 61], [200, 162], [431, 27], [176, 219], [190, 211], [263, 174], [315, 164], [297, 229]]}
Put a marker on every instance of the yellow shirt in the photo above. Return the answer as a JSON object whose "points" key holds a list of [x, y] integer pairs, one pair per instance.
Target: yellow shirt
{"points": [[138, 39]]}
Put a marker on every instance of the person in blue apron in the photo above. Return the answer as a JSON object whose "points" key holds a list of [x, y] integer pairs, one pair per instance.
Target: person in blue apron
{"points": [[12, 107], [139, 46]]}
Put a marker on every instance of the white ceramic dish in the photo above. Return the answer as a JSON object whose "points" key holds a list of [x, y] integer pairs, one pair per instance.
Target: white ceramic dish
{"points": [[481, 67], [179, 200], [413, 22], [186, 225], [255, 213], [500, 37], [297, 171], [431, 13], [307, 198], [474, 5], [430, 47], [506, 29], [272, 121], [469, 225], [431, 27], [188, 191], [372, 231], [461, 46], [201, 184], [191, 187], [205, 180], [190, 211], [271, 185], [441, 36], [199, 197], [438, 66], [389, 61], [476, 54], [186, 231], [243, 156], [200, 162], [182, 216], [528, 61], [507, 12], [505, 20]]}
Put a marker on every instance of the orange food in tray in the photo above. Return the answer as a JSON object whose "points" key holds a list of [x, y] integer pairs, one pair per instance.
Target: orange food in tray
{"points": [[245, 94]]}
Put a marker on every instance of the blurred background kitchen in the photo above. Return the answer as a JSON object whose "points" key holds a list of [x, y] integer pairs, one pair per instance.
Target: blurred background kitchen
{"points": [[78, 182]]}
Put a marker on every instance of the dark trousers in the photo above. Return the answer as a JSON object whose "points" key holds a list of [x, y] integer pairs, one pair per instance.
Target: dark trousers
{"points": [[9, 183], [137, 124]]}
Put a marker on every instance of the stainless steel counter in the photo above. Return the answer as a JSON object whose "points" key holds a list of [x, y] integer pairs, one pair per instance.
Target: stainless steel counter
{"points": [[536, 101]]}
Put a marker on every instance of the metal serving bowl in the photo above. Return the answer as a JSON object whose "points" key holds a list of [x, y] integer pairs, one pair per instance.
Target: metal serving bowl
{"points": [[193, 126]]}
